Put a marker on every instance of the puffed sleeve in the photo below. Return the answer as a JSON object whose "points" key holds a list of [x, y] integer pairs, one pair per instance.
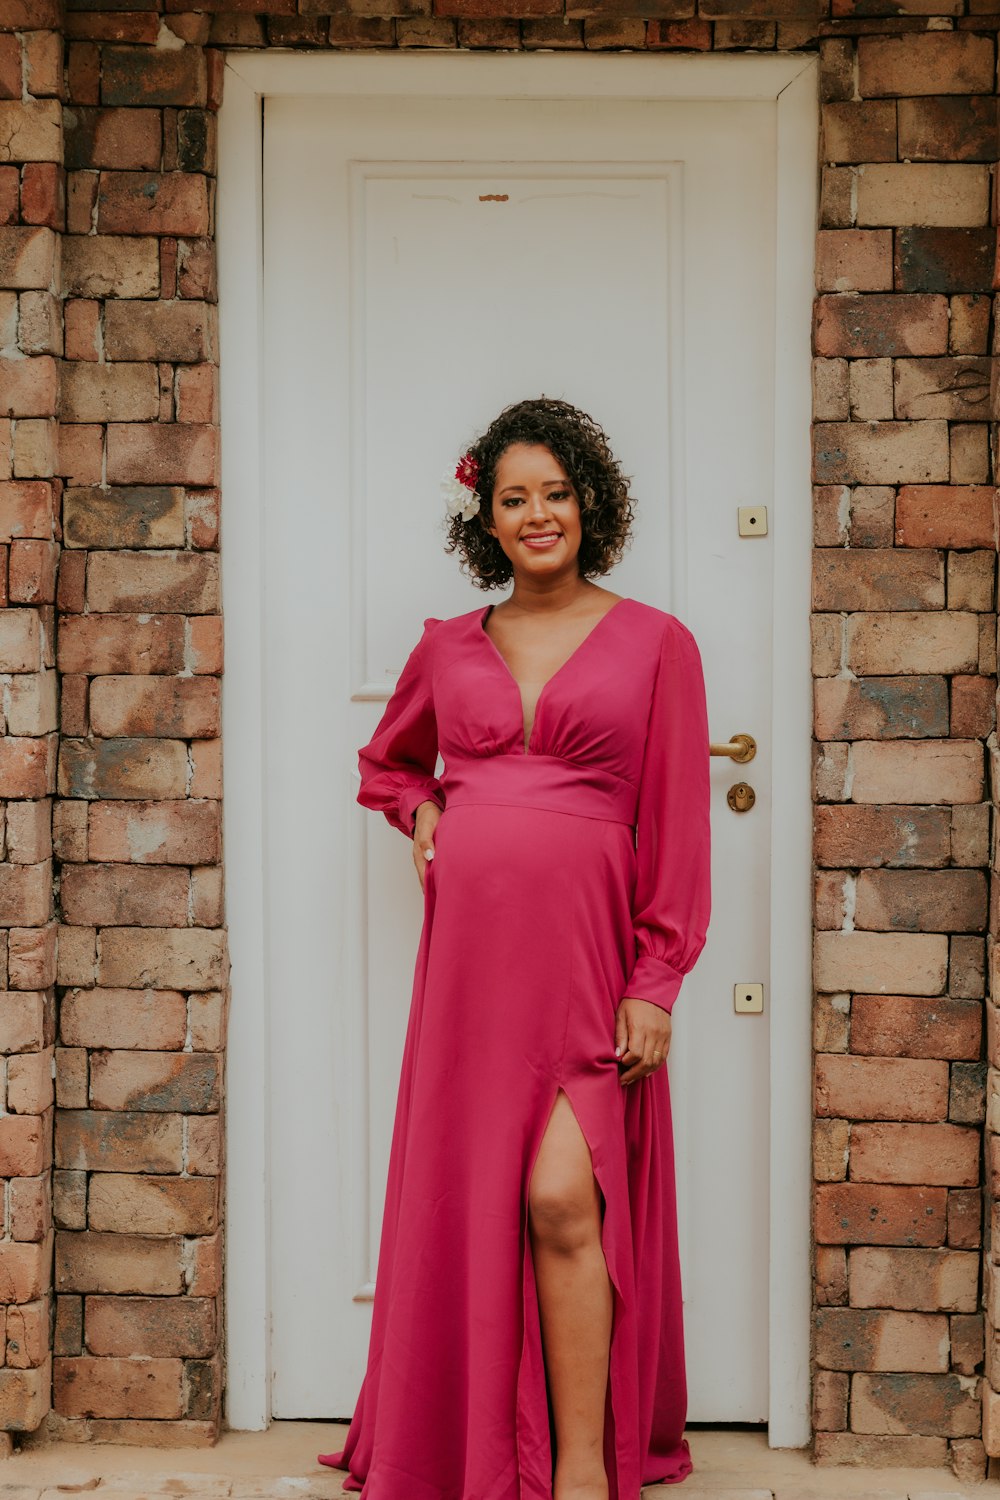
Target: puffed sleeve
{"points": [[673, 895], [397, 765]]}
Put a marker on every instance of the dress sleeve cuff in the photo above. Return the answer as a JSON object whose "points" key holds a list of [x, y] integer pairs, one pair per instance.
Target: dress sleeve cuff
{"points": [[411, 798], [652, 979]]}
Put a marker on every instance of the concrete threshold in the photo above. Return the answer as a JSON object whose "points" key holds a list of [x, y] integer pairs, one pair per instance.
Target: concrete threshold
{"points": [[280, 1464]]}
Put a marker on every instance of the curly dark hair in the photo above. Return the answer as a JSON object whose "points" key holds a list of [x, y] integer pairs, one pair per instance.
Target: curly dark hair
{"points": [[580, 445]]}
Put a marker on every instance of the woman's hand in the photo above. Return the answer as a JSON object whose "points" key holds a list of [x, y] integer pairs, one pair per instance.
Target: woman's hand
{"points": [[642, 1037], [423, 837]]}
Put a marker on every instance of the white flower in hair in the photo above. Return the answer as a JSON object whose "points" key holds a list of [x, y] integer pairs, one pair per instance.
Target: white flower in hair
{"points": [[459, 490]]}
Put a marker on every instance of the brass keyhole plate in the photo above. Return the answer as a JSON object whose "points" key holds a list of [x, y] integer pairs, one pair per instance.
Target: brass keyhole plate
{"points": [[741, 797]]}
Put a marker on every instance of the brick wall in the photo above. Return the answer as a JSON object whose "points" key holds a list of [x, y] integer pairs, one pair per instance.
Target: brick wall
{"points": [[109, 536]]}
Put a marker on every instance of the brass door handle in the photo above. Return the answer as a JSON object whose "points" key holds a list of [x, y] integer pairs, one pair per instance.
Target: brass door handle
{"points": [[741, 748]]}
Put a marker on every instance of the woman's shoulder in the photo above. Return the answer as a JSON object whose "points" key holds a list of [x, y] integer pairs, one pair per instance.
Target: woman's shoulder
{"points": [[661, 623]]}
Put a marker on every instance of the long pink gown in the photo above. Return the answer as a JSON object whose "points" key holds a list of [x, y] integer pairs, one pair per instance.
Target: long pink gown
{"points": [[566, 875]]}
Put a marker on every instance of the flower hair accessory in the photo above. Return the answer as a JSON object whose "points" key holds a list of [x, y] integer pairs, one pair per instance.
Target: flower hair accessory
{"points": [[459, 489]]}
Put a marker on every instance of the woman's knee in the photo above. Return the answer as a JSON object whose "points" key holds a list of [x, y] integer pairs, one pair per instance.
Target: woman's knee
{"points": [[564, 1210]]}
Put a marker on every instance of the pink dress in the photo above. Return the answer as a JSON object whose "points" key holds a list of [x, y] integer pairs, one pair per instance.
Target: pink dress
{"points": [[566, 876]]}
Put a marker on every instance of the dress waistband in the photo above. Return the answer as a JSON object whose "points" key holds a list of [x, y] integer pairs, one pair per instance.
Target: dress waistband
{"points": [[546, 782]]}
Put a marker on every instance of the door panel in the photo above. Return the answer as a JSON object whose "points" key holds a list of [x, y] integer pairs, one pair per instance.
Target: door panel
{"points": [[426, 262]]}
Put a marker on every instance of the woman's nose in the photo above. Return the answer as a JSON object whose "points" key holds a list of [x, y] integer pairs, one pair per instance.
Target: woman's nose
{"points": [[537, 507]]}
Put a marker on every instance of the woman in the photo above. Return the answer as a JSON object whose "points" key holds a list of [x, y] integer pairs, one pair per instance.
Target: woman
{"points": [[527, 1339]]}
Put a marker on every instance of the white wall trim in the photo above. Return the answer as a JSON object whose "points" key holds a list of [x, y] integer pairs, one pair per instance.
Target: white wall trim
{"points": [[791, 79]]}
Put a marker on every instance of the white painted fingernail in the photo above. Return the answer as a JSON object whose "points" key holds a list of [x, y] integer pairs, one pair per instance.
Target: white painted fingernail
{"points": [[618, 1052], [428, 853]]}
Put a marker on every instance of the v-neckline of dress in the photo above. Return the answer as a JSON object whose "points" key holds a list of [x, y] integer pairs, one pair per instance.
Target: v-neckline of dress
{"points": [[525, 744]]}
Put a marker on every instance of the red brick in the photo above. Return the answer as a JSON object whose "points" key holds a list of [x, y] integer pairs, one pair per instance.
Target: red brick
{"points": [[186, 1082], [915, 1403], [125, 1203], [23, 1145], [915, 1026], [921, 900], [88, 1387], [118, 1141], [24, 1270], [872, 1214], [123, 1019], [137, 644], [170, 582], [119, 1263], [927, 1155], [179, 707], [143, 77], [935, 62], [881, 1088], [28, 1335], [914, 1280], [895, 836], [873, 324], [152, 203], [877, 578], [945, 516], [850, 1338], [118, 768], [929, 258], [179, 1327]]}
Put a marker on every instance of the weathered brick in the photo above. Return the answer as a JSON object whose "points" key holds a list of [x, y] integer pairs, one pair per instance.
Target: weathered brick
{"points": [[854, 324], [119, 1263], [176, 331], [179, 707], [122, 895], [943, 515], [28, 1334], [123, 138], [859, 131], [169, 958], [23, 1145], [25, 1397], [123, 1019], [913, 1026], [162, 453], [927, 1155], [954, 387], [850, 1338], [934, 1280], [948, 128], [934, 62], [829, 1400], [109, 393], [179, 1081], [915, 1403], [140, 768], [880, 707], [923, 193], [141, 76], [941, 771], [179, 1327], [118, 1141], [111, 266], [132, 643], [881, 1088], [862, 1213], [905, 963], [906, 641], [86, 1387], [26, 508], [883, 453], [873, 836], [921, 901], [932, 259], [855, 260], [24, 1270], [152, 203], [171, 582], [125, 1203], [29, 1200], [29, 1083], [877, 578]]}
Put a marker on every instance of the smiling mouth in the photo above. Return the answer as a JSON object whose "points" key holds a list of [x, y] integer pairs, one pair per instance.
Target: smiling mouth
{"points": [[543, 538]]}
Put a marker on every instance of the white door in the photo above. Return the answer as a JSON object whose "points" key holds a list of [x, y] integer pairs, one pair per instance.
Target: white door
{"points": [[427, 261]]}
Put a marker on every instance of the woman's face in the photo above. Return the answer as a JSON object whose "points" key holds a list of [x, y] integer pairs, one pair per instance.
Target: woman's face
{"points": [[536, 511]]}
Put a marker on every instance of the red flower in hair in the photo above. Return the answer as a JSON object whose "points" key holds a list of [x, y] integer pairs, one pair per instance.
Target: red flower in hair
{"points": [[467, 471]]}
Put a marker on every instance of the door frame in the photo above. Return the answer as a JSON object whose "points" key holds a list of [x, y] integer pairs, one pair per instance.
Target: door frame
{"points": [[790, 79]]}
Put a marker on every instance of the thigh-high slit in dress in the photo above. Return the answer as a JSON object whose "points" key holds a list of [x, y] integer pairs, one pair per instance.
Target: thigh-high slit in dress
{"points": [[567, 874]]}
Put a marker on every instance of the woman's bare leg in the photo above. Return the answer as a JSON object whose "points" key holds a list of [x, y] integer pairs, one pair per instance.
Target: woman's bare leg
{"points": [[574, 1299]]}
